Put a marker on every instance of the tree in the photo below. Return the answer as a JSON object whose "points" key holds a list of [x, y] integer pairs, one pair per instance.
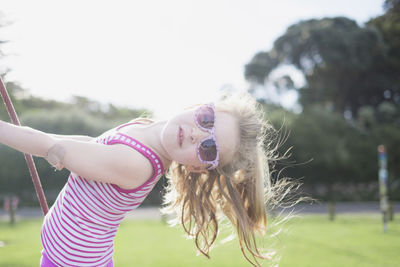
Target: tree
{"points": [[389, 26], [341, 62], [350, 99]]}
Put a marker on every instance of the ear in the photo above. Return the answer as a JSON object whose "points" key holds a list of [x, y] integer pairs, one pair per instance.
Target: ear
{"points": [[190, 168]]}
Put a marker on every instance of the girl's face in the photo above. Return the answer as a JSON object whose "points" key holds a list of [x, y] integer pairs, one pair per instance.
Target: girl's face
{"points": [[226, 135]]}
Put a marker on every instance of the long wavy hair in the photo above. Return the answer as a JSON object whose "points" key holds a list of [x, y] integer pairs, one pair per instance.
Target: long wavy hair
{"points": [[240, 191]]}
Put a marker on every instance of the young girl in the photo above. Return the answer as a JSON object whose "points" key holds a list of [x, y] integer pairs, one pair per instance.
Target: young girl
{"points": [[215, 156]]}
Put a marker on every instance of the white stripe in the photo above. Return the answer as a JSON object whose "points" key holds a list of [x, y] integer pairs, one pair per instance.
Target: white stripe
{"points": [[88, 201], [113, 194], [127, 198], [57, 241], [96, 188], [89, 215], [110, 202], [104, 237], [67, 259], [100, 200]]}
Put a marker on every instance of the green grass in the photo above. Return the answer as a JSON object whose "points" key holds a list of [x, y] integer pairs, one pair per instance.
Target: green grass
{"points": [[351, 240]]}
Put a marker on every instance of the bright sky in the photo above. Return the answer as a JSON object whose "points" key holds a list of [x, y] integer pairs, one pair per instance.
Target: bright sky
{"points": [[157, 54]]}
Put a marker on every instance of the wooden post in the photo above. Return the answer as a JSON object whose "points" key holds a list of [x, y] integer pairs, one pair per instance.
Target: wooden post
{"points": [[383, 185], [28, 158]]}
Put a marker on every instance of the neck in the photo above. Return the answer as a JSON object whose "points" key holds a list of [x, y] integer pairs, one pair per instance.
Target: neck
{"points": [[152, 138]]}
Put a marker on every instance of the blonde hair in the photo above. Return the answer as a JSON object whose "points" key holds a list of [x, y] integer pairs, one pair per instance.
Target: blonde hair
{"points": [[240, 190]]}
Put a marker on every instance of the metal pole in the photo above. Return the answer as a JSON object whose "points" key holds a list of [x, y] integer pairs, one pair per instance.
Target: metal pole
{"points": [[383, 185], [28, 158]]}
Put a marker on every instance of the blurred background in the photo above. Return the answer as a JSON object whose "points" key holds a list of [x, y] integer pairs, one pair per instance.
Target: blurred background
{"points": [[327, 73]]}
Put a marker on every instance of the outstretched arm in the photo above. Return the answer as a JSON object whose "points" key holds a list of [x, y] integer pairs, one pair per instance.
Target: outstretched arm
{"points": [[26, 139], [83, 138], [117, 164]]}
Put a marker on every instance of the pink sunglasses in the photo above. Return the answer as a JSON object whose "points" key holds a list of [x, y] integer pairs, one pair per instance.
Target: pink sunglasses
{"points": [[207, 151]]}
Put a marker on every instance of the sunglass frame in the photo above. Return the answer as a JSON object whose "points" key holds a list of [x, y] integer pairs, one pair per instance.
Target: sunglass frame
{"points": [[214, 163]]}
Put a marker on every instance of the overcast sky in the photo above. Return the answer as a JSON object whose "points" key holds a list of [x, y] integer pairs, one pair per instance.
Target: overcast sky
{"points": [[160, 55]]}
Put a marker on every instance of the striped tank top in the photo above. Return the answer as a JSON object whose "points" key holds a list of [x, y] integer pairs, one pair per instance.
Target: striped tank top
{"points": [[80, 227]]}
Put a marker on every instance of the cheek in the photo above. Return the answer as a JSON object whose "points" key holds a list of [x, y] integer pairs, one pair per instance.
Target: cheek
{"points": [[187, 156]]}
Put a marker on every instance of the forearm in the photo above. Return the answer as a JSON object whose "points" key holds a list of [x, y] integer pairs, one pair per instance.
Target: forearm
{"points": [[26, 139], [83, 138]]}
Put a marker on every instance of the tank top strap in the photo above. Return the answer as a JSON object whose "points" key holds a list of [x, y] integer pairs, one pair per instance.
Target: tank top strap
{"points": [[140, 147], [158, 168], [116, 137], [126, 124]]}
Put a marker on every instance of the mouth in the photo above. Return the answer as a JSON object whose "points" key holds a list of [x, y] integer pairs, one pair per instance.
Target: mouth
{"points": [[180, 136]]}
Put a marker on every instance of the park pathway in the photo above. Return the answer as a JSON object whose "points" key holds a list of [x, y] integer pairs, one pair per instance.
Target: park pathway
{"points": [[154, 213]]}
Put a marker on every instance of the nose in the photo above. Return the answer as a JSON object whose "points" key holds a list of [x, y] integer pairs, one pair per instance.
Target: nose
{"points": [[197, 135]]}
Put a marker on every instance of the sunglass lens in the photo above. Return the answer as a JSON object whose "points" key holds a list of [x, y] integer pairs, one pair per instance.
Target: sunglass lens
{"points": [[208, 150], [205, 117]]}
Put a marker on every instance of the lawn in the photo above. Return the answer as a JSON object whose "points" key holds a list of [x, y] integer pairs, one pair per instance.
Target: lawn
{"points": [[351, 240]]}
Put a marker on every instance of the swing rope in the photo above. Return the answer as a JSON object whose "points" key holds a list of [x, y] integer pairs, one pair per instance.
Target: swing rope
{"points": [[28, 158]]}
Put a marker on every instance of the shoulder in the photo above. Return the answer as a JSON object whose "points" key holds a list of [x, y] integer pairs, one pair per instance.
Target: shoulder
{"points": [[135, 169], [117, 163]]}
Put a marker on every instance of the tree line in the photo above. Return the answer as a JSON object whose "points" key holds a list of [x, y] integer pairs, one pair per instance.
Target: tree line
{"points": [[79, 116], [349, 99]]}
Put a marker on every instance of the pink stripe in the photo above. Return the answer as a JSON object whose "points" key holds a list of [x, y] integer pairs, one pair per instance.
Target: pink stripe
{"points": [[111, 201], [70, 194], [96, 199], [127, 198], [94, 196], [144, 190], [55, 251], [48, 235], [93, 207], [83, 215], [106, 260], [78, 232], [61, 237], [78, 225], [53, 223], [72, 260], [106, 190], [126, 201], [132, 200], [81, 232], [102, 195], [50, 253], [95, 213]]}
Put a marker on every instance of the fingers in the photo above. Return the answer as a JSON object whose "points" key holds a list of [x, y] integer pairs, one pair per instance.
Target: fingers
{"points": [[55, 156]]}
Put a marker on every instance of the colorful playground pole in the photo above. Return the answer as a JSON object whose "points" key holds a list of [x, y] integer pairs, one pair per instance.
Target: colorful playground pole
{"points": [[28, 158], [383, 185]]}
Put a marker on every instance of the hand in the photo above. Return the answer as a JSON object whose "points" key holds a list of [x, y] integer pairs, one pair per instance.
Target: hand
{"points": [[55, 156]]}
